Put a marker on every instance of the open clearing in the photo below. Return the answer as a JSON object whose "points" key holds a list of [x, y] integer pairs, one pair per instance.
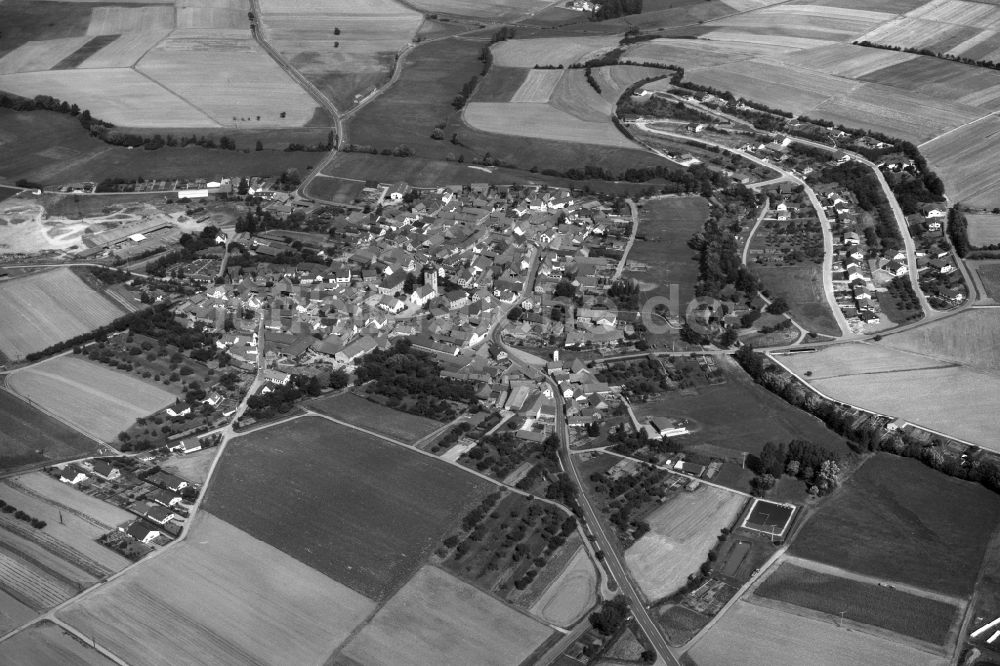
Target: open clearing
{"points": [[541, 121], [29, 435], [438, 619], [983, 229], [359, 411], [362, 511], [897, 520], [802, 287], [907, 385], [191, 466], [94, 398], [551, 51], [46, 643], [682, 531], [570, 595], [971, 338], [904, 613], [740, 416], [755, 635], [45, 308], [255, 605]]}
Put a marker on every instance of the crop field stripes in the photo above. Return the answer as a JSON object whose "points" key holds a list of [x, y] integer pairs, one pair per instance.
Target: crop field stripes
{"points": [[171, 92], [55, 546], [13, 483], [31, 586]]}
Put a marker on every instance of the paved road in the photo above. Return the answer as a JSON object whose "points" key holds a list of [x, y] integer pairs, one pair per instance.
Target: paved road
{"points": [[631, 239]]}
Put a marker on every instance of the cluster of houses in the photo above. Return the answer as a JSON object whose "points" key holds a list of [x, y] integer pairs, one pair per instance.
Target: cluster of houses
{"points": [[852, 269], [940, 279], [440, 267]]}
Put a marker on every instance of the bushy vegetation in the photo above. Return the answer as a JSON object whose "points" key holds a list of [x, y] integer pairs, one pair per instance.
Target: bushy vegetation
{"points": [[958, 231], [21, 515]]}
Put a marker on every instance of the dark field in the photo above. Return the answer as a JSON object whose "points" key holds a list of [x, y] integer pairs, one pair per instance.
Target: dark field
{"points": [[665, 226], [767, 516], [28, 435], [386, 421], [899, 520], [52, 148], [90, 48], [340, 190], [420, 100], [362, 511], [500, 84], [740, 416], [28, 20], [7, 192], [802, 287], [908, 614]]}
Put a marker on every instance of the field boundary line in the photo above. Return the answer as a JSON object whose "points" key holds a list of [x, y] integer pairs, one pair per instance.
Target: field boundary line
{"points": [[31, 403], [21, 488], [178, 96], [955, 129]]}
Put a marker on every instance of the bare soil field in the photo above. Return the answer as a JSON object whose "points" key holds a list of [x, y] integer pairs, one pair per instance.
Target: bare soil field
{"points": [[393, 423], [908, 614], [542, 122], [364, 512], [438, 619], [893, 6], [921, 33], [741, 416], [759, 636], [46, 308], [120, 20], [943, 80], [551, 50], [40, 56], [857, 358], [965, 160], [538, 85], [898, 520], [682, 531], [765, 37], [812, 21], [688, 53], [30, 436], [846, 60], [983, 229], [228, 77], [46, 643], [506, 9], [985, 15], [791, 89], [255, 605], [97, 400], [570, 595], [971, 338]]}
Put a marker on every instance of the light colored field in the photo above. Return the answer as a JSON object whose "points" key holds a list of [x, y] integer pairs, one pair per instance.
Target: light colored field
{"points": [[121, 20], [971, 338], [943, 80], [479, 8], [899, 113], [221, 597], [983, 229], [95, 399], [541, 121], [689, 53], [846, 60], [222, 14], [614, 80], [570, 595], [538, 85], [975, 14], [682, 531], [748, 5], [966, 161], [226, 75], [58, 493], [790, 88], [920, 34], [341, 7], [754, 635], [50, 560], [42, 309], [124, 51], [551, 50], [438, 619], [75, 531], [39, 56], [44, 644], [38, 589], [857, 358], [13, 614], [787, 42], [815, 22], [574, 96], [193, 466], [120, 96]]}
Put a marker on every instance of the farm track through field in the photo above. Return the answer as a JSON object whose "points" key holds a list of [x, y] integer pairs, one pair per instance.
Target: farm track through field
{"points": [[17, 485], [54, 546]]}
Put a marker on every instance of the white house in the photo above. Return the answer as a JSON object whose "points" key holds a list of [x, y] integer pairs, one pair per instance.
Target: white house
{"points": [[72, 475], [186, 446]]}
